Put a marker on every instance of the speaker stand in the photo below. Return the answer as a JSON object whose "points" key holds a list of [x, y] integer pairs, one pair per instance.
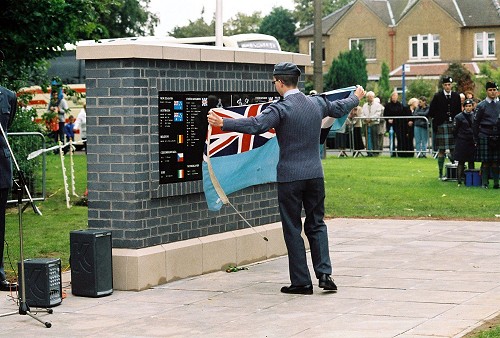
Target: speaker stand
{"points": [[23, 306]]}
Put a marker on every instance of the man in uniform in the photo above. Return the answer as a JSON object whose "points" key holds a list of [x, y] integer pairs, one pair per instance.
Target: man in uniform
{"points": [[297, 121], [444, 106], [486, 129], [8, 106]]}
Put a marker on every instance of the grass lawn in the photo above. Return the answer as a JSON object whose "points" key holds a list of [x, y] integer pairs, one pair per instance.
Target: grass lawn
{"points": [[48, 235], [402, 188], [489, 330]]}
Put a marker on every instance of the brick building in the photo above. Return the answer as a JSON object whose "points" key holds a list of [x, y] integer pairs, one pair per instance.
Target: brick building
{"points": [[427, 35]]}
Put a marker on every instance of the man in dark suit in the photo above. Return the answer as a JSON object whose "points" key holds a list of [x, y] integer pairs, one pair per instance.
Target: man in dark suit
{"points": [[8, 106], [444, 106]]}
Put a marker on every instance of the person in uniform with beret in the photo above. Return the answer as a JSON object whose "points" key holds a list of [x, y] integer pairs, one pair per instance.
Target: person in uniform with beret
{"points": [[465, 149], [486, 128], [297, 121], [8, 106], [445, 105]]}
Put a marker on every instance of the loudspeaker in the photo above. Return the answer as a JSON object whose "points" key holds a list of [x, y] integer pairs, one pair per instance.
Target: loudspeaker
{"points": [[43, 281], [91, 263]]}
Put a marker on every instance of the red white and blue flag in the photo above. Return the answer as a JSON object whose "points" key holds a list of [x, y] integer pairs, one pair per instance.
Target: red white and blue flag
{"points": [[224, 143], [242, 160]]}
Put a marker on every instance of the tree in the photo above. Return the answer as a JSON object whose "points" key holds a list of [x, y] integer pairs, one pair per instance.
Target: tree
{"points": [[461, 77], [421, 87], [242, 23], [194, 28], [129, 18], [347, 70], [281, 24], [304, 10], [35, 31], [488, 73], [384, 88]]}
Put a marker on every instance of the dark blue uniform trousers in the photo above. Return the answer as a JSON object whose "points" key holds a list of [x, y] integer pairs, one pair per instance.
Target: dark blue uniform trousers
{"points": [[311, 195]]}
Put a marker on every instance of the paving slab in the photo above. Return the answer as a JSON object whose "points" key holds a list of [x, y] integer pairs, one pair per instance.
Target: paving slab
{"points": [[396, 278]]}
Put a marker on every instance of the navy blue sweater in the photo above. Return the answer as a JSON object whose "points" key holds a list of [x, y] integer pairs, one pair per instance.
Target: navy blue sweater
{"points": [[486, 119]]}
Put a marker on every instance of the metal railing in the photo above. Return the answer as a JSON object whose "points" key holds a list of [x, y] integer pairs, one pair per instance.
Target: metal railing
{"points": [[35, 175], [358, 152]]}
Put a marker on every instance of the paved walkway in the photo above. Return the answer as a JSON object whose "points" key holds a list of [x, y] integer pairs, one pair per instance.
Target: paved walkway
{"points": [[396, 278]]}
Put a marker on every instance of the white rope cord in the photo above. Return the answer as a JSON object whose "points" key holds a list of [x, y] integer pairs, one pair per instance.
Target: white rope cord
{"points": [[65, 176], [218, 188], [72, 171], [215, 181]]}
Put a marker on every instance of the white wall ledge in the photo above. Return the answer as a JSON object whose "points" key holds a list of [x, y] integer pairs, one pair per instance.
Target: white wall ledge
{"points": [[170, 51]]}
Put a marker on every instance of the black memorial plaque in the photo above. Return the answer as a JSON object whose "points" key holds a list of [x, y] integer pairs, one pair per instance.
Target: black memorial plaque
{"points": [[182, 128]]}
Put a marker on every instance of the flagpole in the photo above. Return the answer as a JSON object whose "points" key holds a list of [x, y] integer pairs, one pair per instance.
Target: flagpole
{"points": [[219, 32]]}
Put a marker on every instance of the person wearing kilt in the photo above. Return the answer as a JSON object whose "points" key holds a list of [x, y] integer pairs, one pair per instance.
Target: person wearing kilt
{"points": [[465, 150], [486, 130], [445, 105]]}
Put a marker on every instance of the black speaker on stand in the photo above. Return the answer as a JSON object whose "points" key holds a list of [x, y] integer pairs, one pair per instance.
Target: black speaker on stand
{"points": [[43, 281], [91, 263]]}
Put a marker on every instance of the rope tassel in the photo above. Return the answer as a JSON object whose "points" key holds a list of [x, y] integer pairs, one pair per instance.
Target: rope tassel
{"points": [[65, 176], [218, 187]]}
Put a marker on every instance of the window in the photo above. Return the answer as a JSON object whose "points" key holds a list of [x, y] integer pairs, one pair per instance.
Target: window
{"points": [[369, 47], [311, 49], [424, 47], [485, 44]]}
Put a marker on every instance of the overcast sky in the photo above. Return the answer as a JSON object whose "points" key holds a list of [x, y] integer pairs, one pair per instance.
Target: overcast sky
{"points": [[178, 12]]}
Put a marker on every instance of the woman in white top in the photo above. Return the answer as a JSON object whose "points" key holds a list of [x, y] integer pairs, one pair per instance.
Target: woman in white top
{"points": [[81, 125]]}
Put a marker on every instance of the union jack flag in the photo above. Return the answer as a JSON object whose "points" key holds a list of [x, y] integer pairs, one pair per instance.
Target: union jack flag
{"points": [[242, 160], [223, 143]]}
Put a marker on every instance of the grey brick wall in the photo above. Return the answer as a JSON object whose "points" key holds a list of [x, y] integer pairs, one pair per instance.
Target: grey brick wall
{"points": [[123, 180]]}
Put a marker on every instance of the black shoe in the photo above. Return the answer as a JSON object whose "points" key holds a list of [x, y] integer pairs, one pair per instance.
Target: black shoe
{"points": [[5, 285], [298, 290], [326, 283]]}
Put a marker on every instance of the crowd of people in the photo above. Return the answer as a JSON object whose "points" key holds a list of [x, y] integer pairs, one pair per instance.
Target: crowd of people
{"points": [[464, 129], [60, 126]]}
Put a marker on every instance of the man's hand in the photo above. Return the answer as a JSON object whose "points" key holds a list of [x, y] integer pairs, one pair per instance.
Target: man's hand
{"points": [[214, 119], [359, 92]]}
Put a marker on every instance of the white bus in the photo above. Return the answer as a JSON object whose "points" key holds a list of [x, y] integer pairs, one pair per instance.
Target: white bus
{"points": [[252, 41]]}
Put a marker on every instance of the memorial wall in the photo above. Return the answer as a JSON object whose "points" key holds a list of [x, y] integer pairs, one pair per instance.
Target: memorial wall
{"points": [[146, 125]]}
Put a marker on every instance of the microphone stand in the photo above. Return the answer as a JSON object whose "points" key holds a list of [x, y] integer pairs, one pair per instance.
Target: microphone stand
{"points": [[21, 175], [20, 183]]}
